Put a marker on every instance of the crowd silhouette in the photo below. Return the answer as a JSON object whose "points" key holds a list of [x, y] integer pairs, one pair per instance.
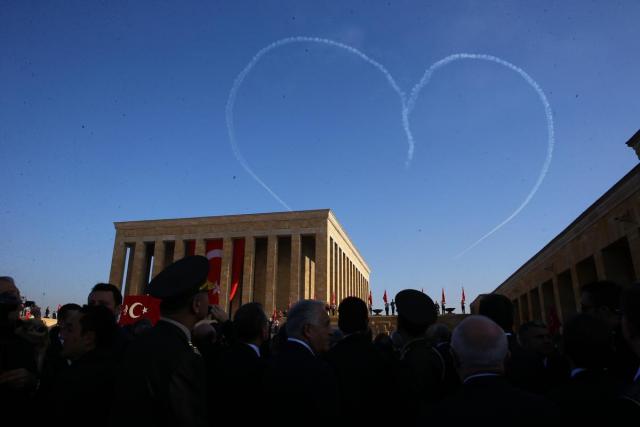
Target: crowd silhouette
{"points": [[198, 367]]}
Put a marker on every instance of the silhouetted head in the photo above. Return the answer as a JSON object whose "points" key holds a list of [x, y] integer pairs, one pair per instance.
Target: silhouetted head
{"points": [[353, 315], [498, 308]]}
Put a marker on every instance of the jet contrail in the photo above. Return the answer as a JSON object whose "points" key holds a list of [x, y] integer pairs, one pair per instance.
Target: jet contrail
{"points": [[301, 39], [415, 92], [406, 109]]}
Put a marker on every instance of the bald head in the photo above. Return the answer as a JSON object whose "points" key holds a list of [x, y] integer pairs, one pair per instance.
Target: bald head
{"points": [[480, 345]]}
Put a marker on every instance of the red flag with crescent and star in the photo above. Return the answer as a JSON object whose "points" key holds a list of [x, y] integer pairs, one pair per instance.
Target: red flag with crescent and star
{"points": [[370, 298], [214, 255], [136, 307], [384, 297], [464, 299], [443, 299], [236, 267]]}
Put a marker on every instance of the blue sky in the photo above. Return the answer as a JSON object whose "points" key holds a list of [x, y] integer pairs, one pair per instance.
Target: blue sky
{"points": [[115, 111]]}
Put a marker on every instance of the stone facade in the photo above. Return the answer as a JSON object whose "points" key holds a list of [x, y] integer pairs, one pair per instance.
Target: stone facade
{"points": [[602, 243], [287, 255]]}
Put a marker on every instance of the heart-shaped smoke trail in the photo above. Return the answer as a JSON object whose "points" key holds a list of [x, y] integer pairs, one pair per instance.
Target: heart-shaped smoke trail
{"points": [[406, 108]]}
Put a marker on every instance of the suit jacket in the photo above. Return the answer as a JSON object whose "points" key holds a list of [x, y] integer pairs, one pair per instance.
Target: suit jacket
{"points": [[362, 372], [588, 395], [162, 381], [236, 385], [15, 353], [84, 384], [491, 400], [300, 388], [628, 404]]}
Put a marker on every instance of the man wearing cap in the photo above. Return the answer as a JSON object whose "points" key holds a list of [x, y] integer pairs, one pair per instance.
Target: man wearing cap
{"points": [[163, 377], [420, 371]]}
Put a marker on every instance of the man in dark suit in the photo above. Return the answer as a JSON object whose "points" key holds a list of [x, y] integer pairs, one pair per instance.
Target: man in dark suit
{"points": [[162, 382], [238, 374], [18, 370], [631, 331], [602, 300], [518, 367], [480, 347], [300, 388], [590, 390], [360, 367], [88, 335]]}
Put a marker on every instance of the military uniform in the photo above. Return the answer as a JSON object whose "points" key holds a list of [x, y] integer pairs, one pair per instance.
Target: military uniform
{"points": [[162, 382]]}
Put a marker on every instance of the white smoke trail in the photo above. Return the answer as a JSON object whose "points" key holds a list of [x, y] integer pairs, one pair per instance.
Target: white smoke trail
{"points": [[301, 39], [415, 92], [406, 106]]}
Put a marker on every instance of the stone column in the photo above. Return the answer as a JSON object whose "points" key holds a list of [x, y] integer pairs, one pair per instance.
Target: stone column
{"points": [[541, 304], [117, 263], [576, 287], [200, 247], [556, 297], [343, 284], [322, 267], [272, 266], [247, 274], [225, 272], [137, 275], [178, 249], [634, 248], [158, 257], [599, 261], [294, 288], [521, 301]]}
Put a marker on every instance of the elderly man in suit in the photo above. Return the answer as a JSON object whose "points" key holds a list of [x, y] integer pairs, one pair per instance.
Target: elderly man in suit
{"points": [[300, 387], [162, 381], [480, 348]]}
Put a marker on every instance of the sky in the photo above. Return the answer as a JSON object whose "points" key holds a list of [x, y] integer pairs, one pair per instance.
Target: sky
{"points": [[116, 111]]}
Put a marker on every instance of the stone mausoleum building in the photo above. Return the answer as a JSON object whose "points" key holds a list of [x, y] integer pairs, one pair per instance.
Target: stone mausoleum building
{"points": [[272, 258], [603, 243]]}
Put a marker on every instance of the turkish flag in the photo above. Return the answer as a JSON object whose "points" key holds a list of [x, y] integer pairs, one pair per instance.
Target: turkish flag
{"points": [[370, 298], [464, 299], [236, 266], [384, 297], [136, 307], [443, 300], [214, 255]]}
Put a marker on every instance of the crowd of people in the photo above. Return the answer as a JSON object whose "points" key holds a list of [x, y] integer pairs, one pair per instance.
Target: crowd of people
{"points": [[198, 367]]}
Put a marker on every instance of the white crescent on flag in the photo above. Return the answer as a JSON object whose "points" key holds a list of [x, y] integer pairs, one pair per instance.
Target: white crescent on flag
{"points": [[133, 306], [216, 288], [214, 253]]}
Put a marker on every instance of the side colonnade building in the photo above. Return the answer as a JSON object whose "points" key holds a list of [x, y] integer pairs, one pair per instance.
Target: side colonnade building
{"points": [[603, 243], [275, 259]]}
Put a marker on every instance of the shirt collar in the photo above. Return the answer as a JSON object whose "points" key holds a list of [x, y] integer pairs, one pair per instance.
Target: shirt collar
{"points": [[484, 374], [179, 325], [303, 343], [255, 348], [576, 371]]}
